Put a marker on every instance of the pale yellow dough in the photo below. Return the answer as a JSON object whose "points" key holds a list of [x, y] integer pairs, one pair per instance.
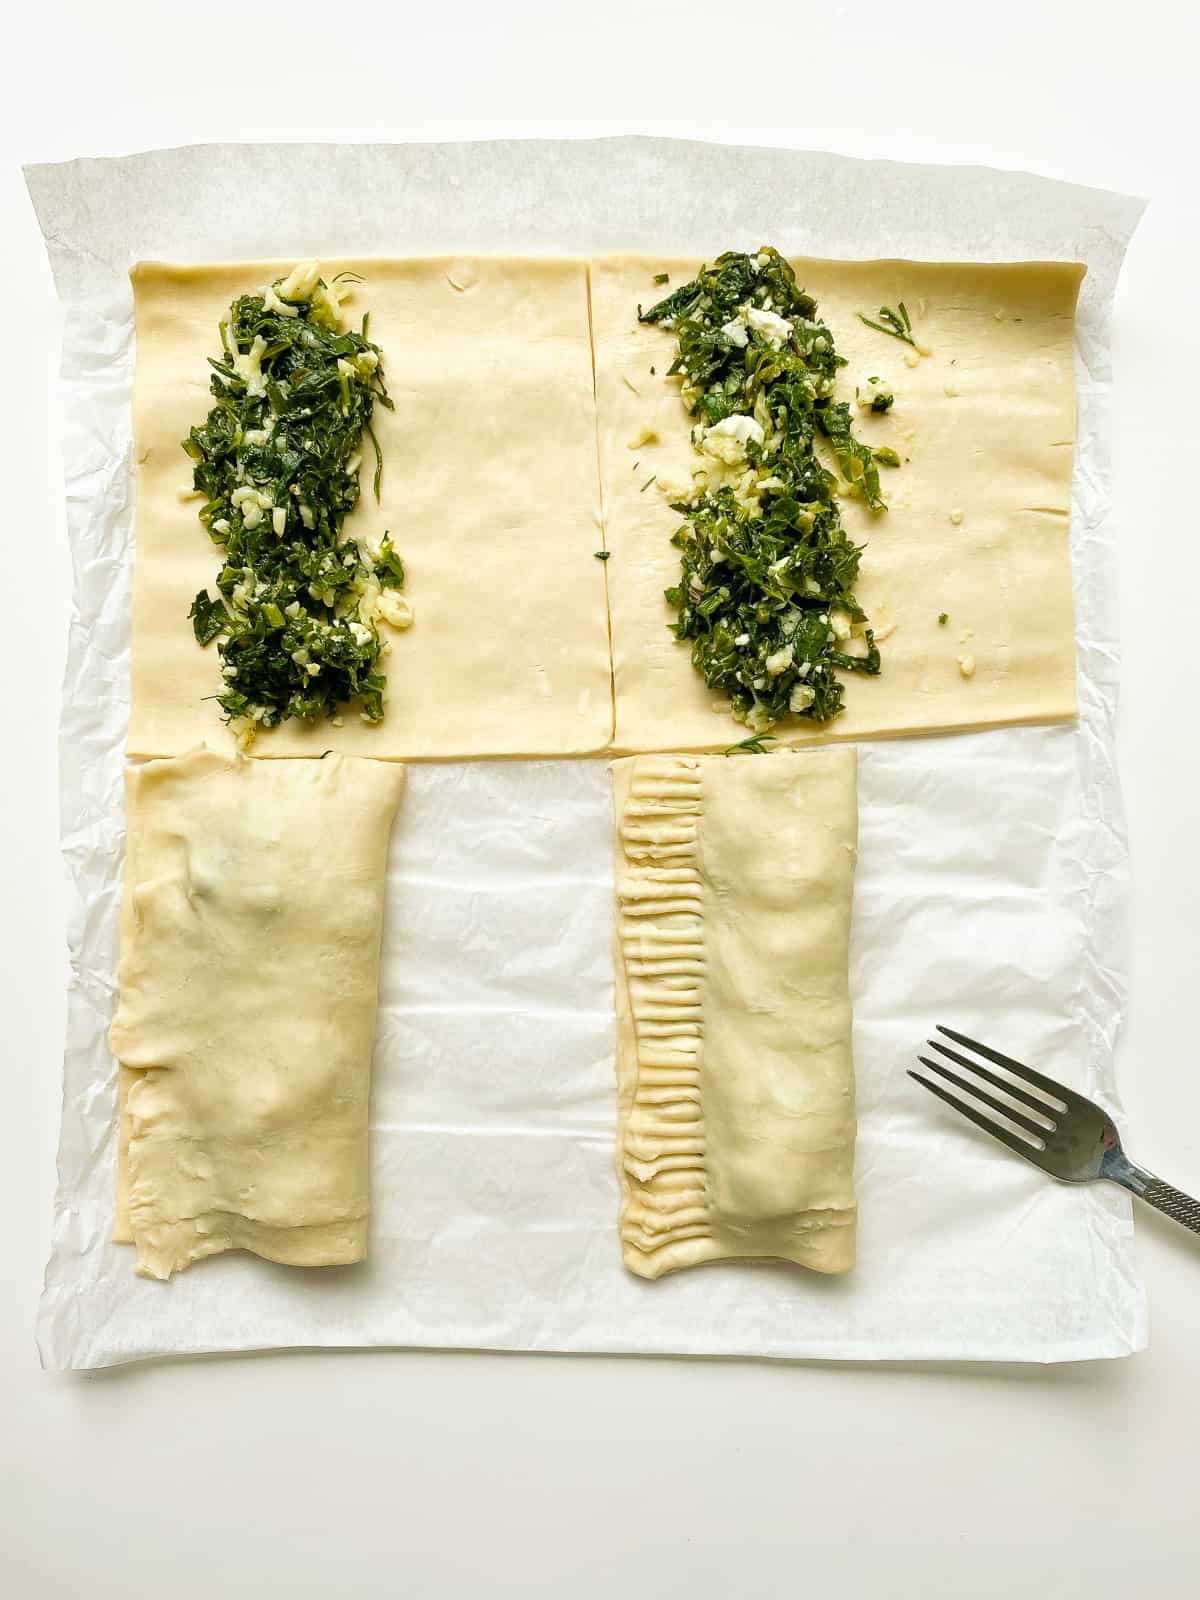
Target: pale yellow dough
{"points": [[250, 939], [490, 493], [978, 518], [735, 1078]]}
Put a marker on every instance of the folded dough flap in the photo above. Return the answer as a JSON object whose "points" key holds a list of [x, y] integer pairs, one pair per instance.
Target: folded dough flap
{"points": [[736, 1083], [249, 970]]}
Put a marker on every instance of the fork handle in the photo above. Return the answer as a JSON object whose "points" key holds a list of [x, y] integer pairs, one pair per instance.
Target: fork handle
{"points": [[1163, 1196]]}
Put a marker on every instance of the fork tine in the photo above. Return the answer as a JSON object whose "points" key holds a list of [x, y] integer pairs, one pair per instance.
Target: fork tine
{"points": [[1012, 1140], [977, 1093], [1032, 1101], [1056, 1091]]}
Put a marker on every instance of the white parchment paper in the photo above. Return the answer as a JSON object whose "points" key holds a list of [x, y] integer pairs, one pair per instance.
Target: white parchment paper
{"points": [[991, 875]]}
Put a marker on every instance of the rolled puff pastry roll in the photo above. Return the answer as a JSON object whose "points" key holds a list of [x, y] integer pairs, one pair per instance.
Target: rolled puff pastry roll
{"points": [[249, 971], [735, 1078]]}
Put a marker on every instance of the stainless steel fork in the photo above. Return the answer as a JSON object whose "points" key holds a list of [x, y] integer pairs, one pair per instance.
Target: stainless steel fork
{"points": [[1058, 1130]]}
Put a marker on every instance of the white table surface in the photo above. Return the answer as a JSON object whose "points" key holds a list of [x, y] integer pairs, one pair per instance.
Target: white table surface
{"points": [[438, 1475]]}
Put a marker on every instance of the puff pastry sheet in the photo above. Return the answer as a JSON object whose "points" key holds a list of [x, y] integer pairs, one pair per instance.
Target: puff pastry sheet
{"points": [[250, 938], [489, 490], [985, 427], [735, 1079]]}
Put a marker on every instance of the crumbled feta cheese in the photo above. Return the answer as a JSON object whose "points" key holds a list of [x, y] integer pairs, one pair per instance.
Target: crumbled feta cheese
{"points": [[775, 330], [362, 634], [643, 436], [735, 330], [966, 665], [727, 440], [801, 697], [293, 609], [221, 525], [306, 515], [780, 660], [248, 366], [247, 494], [394, 609], [811, 586], [279, 521], [272, 302], [875, 395], [313, 669], [839, 621], [301, 282], [742, 640], [759, 683]]}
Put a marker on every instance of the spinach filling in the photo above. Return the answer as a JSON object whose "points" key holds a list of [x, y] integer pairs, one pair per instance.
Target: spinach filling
{"points": [[766, 590], [277, 460]]}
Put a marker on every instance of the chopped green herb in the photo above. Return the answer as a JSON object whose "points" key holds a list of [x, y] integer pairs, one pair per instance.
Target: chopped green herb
{"points": [[943, 619], [388, 568], [652, 374], [766, 591], [755, 745], [209, 617], [662, 277], [895, 324], [647, 483], [277, 461], [602, 555], [856, 461], [887, 455]]}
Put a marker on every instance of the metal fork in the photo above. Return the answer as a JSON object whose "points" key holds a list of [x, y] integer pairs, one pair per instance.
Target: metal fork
{"points": [[1058, 1130]]}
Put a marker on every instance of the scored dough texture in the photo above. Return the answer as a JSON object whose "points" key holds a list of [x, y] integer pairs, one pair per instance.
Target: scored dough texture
{"points": [[984, 425], [250, 937], [489, 490], [735, 1078]]}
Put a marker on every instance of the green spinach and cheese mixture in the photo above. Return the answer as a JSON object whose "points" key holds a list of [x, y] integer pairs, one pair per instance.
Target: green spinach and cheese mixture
{"points": [[298, 605], [767, 579]]}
